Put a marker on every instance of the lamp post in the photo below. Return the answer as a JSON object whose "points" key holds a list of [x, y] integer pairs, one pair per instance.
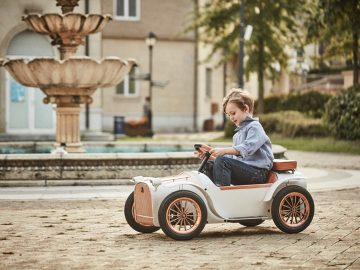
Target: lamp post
{"points": [[150, 42], [241, 47], [245, 35]]}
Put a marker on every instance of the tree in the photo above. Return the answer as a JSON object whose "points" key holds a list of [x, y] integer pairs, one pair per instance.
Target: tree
{"points": [[336, 23], [275, 28]]}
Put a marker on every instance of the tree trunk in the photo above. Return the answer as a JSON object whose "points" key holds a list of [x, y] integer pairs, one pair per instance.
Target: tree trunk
{"points": [[356, 58], [260, 108]]}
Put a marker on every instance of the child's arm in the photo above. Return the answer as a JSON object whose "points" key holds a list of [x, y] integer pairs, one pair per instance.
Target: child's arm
{"points": [[218, 152]]}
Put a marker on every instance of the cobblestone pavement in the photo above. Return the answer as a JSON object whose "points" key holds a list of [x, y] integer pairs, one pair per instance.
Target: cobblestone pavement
{"points": [[93, 234]]}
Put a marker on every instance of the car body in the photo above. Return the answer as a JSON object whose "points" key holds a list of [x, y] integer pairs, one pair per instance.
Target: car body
{"points": [[181, 205]]}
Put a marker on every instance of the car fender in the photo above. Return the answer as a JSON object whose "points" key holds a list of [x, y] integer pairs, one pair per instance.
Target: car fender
{"points": [[281, 183], [213, 215], [273, 188], [201, 191]]}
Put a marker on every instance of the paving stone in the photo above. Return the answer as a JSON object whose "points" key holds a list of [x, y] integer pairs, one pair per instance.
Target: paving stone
{"points": [[93, 234]]}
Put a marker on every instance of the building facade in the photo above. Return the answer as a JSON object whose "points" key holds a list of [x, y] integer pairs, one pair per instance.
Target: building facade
{"points": [[183, 104], [190, 98], [192, 89]]}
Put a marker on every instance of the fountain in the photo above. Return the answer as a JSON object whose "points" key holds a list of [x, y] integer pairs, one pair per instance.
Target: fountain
{"points": [[70, 80]]}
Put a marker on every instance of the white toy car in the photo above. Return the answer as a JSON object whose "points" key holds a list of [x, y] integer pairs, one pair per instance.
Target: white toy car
{"points": [[181, 205]]}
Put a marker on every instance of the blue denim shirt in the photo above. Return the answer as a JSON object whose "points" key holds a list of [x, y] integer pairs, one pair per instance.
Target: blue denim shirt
{"points": [[253, 144]]}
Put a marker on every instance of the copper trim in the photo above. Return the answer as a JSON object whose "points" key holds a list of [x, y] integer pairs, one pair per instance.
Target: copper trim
{"points": [[143, 216], [294, 209], [142, 209], [183, 215], [134, 215]]}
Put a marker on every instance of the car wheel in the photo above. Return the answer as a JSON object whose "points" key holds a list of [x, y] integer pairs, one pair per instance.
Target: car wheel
{"points": [[292, 209], [129, 210], [251, 222], [182, 215]]}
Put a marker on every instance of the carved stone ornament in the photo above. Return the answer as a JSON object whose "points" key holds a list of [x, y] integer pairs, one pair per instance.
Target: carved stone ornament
{"points": [[67, 31], [67, 5], [68, 76]]}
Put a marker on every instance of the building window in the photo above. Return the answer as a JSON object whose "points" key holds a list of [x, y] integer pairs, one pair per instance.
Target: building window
{"points": [[128, 87], [127, 10], [208, 81]]}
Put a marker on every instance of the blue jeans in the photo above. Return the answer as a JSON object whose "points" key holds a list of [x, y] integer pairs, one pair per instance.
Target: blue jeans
{"points": [[225, 171]]}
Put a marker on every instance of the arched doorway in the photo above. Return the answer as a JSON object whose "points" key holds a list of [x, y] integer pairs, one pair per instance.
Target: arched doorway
{"points": [[25, 111]]}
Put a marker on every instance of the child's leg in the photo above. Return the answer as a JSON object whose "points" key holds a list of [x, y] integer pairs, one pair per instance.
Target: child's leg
{"points": [[231, 171], [208, 170]]}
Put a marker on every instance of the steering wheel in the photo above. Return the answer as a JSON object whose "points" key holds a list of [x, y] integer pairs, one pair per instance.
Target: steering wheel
{"points": [[205, 159]]}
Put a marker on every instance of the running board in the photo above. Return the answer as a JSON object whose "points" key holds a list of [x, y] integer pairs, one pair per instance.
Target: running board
{"points": [[235, 220]]}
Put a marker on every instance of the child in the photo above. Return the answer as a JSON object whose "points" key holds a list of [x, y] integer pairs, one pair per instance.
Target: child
{"points": [[250, 158]]}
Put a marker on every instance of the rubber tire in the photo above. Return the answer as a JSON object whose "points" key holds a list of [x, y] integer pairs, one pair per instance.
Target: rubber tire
{"points": [[162, 215], [251, 222], [131, 220], [276, 214]]}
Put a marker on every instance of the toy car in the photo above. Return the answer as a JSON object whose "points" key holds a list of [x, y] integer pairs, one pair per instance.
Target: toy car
{"points": [[181, 205]]}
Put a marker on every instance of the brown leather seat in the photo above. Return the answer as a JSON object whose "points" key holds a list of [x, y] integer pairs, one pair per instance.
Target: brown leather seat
{"points": [[284, 165]]}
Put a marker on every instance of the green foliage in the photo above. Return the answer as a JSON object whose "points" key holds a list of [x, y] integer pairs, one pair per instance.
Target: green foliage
{"points": [[310, 103], [287, 123], [229, 129], [336, 23], [275, 28], [272, 103], [317, 144], [292, 124], [342, 114]]}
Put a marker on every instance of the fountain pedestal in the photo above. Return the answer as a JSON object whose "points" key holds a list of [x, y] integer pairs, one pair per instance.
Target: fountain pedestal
{"points": [[68, 130], [68, 115]]}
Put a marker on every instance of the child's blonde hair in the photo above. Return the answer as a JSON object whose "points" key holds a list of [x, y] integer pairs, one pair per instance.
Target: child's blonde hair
{"points": [[239, 97]]}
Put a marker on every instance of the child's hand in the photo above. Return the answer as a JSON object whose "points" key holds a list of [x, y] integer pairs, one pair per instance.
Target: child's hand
{"points": [[199, 154], [205, 148], [218, 152], [202, 151]]}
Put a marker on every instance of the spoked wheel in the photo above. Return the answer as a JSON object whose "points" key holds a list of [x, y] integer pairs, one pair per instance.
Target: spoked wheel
{"points": [[292, 209], [251, 222], [130, 217], [182, 215]]}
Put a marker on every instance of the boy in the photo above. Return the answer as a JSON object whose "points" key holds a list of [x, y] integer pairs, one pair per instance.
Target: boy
{"points": [[250, 158]]}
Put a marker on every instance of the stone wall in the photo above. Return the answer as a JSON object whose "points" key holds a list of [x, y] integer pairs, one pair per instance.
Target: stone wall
{"points": [[93, 166]]}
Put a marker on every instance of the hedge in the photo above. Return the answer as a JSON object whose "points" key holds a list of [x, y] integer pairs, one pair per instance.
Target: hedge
{"points": [[311, 103], [342, 114], [288, 123]]}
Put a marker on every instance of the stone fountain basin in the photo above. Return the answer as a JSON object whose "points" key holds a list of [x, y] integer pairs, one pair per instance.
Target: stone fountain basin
{"points": [[69, 26], [103, 167], [51, 74]]}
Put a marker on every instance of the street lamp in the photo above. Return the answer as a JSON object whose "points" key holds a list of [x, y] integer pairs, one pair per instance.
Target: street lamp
{"points": [[150, 42], [245, 35], [241, 47]]}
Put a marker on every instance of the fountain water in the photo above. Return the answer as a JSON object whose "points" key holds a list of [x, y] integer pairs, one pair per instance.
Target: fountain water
{"points": [[70, 81]]}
